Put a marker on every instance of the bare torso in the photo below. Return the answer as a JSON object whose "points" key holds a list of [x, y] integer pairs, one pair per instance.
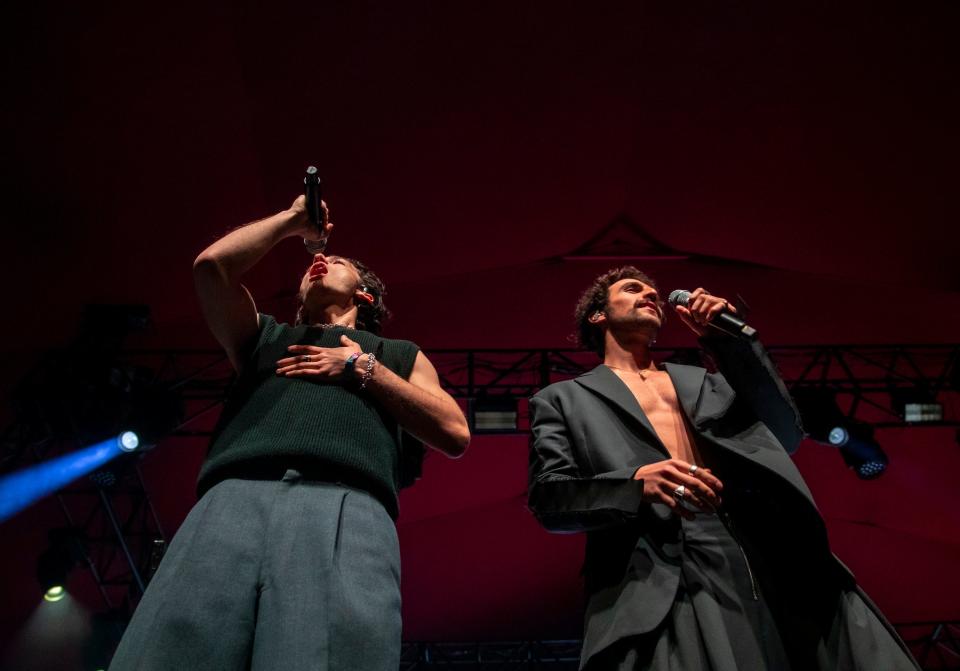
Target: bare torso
{"points": [[658, 399]]}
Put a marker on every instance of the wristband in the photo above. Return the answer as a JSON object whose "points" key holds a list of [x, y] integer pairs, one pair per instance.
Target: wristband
{"points": [[349, 366]]}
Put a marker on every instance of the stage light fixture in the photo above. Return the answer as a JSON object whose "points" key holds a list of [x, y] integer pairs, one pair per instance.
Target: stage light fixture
{"points": [[22, 488], [55, 593], [865, 457], [822, 418], [916, 405], [128, 441], [497, 414], [826, 423], [919, 413], [838, 436], [55, 563]]}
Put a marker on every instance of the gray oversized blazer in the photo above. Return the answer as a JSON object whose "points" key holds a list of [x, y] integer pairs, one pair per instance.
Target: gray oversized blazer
{"points": [[589, 438]]}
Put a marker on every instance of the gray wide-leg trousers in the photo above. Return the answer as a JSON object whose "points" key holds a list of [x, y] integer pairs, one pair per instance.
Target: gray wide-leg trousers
{"points": [[289, 574]]}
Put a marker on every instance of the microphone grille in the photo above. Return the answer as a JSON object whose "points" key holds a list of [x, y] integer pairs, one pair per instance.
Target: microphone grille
{"points": [[679, 297]]}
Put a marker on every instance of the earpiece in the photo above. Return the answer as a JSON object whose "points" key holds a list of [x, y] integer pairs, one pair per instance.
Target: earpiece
{"points": [[366, 295]]}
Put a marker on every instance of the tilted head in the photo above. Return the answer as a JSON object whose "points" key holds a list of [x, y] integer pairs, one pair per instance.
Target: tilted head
{"points": [[344, 284], [624, 299]]}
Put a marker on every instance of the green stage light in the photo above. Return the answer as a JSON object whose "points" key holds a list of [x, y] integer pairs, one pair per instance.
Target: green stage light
{"points": [[54, 593]]}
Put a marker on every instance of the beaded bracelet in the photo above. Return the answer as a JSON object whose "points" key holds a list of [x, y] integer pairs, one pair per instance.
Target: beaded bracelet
{"points": [[368, 371]]}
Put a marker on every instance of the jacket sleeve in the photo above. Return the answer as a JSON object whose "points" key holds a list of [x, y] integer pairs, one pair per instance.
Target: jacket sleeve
{"points": [[747, 368], [561, 498]]}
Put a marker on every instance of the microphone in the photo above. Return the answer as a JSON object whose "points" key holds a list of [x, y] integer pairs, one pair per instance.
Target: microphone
{"points": [[725, 321], [312, 188]]}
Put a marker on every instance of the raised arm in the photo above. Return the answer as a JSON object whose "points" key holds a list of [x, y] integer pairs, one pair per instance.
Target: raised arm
{"points": [[227, 305], [747, 367]]}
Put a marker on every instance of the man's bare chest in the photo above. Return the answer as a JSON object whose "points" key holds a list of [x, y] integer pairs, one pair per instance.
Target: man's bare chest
{"points": [[654, 393], [658, 400]]}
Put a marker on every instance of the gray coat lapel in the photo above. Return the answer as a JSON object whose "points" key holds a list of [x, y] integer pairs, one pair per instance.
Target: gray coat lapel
{"points": [[603, 381], [699, 396], [688, 383]]}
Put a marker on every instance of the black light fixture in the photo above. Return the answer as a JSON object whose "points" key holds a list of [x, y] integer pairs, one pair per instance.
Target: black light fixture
{"points": [[55, 563], [859, 449], [826, 423], [821, 414]]}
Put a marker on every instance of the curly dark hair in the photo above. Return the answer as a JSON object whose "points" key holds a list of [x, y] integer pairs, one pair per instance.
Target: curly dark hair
{"points": [[370, 316], [594, 299]]}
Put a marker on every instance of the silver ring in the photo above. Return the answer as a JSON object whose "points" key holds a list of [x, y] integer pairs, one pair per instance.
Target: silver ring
{"points": [[693, 468], [679, 492]]}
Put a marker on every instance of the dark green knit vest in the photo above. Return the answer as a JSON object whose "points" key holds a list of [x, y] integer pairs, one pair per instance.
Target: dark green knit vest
{"points": [[333, 431]]}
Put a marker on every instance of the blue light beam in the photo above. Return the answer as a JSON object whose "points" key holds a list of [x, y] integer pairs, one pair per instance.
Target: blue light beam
{"points": [[21, 489]]}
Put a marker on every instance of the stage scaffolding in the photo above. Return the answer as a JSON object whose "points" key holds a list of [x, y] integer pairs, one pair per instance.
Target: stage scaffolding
{"points": [[866, 378], [936, 645]]}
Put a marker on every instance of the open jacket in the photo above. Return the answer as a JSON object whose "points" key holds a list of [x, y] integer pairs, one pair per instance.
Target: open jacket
{"points": [[589, 438]]}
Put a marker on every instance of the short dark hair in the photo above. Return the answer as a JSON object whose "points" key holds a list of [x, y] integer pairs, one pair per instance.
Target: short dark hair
{"points": [[370, 316], [595, 298]]}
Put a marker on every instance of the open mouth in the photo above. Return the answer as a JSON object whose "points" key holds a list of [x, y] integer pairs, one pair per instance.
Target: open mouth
{"points": [[317, 271]]}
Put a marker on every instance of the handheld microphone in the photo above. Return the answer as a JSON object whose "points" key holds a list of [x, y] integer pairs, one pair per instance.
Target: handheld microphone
{"points": [[312, 192], [725, 321]]}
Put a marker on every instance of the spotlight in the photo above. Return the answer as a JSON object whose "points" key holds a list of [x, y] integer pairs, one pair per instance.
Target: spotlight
{"points": [[838, 436], [826, 423], [865, 457], [822, 417], [22, 488], [128, 441], [55, 593], [55, 563], [859, 449]]}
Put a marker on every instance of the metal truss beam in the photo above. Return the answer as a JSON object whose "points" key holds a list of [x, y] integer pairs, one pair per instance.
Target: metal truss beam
{"points": [[862, 375], [936, 645], [560, 655], [866, 375]]}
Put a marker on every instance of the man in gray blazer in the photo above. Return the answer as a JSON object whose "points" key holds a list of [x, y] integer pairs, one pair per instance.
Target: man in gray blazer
{"points": [[705, 549]]}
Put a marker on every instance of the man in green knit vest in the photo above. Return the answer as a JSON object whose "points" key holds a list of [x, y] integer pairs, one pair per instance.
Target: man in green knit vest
{"points": [[290, 559]]}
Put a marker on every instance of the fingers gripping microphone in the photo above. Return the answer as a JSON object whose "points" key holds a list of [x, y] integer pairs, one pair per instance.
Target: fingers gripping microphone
{"points": [[312, 192], [725, 321]]}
